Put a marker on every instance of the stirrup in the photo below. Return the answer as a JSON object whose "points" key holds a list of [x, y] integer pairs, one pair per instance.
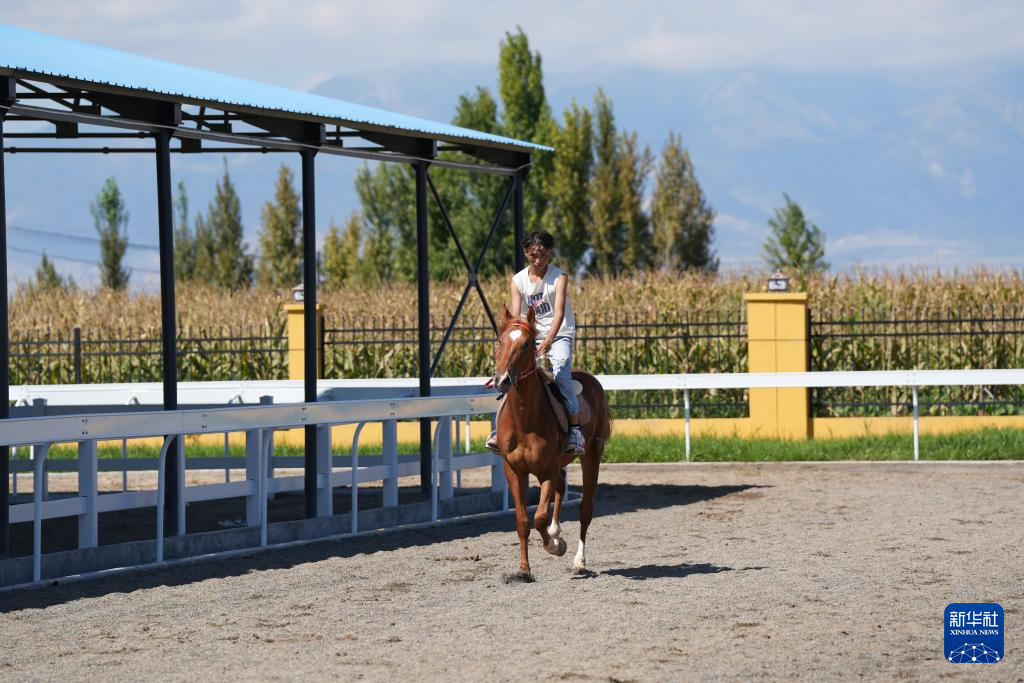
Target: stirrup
{"points": [[492, 443], [574, 445]]}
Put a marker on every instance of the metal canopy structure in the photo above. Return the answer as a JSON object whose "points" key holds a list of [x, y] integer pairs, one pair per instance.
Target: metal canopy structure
{"points": [[54, 90]]}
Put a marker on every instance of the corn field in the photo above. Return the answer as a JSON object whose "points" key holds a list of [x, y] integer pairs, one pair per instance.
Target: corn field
{"points": [[646, 323]]}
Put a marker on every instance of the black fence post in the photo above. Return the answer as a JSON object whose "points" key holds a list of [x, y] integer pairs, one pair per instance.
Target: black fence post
{"points": [[173, 505], [309, 319], [7, 92], [423, 321], [77, 350]]}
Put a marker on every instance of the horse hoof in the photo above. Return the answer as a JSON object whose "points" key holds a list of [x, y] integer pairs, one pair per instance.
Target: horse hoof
{"points": [[556, 547], [555, 531], [579, 566], [518, 577]]}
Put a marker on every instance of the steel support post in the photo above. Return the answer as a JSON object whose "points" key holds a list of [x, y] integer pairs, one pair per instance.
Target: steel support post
{"points": [[423, 299], [519, 219], [311, 343], [5, 376], [174, 506]]}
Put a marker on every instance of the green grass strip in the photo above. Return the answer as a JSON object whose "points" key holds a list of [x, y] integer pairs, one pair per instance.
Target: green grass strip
{"points": [[987, 444]]}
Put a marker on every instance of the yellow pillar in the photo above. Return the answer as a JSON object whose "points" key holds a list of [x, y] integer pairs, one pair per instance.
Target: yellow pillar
{"points": [[296, 341], [777, 338]]}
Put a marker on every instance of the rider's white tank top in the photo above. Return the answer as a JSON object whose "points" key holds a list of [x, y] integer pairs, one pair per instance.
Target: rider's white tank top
{"points": [[540, 296]]}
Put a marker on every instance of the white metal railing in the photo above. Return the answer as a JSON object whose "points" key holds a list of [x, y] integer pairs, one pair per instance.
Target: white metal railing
{"points": [[259, 422]]}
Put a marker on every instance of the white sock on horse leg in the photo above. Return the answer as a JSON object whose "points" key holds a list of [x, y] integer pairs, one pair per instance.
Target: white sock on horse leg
{"points": [[580, 562]]}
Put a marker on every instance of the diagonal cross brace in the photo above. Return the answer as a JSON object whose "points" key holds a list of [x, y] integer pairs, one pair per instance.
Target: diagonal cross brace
{"points": [[474, 268]]}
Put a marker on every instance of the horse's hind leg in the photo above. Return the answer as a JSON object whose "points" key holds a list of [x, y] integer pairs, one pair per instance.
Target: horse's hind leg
{"points": [[591, 462], [517, 485]]}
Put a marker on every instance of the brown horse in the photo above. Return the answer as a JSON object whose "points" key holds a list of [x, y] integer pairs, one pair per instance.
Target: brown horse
{"points": [[530, 440]]}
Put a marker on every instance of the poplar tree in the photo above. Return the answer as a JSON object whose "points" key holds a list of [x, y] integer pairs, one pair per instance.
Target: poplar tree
{"points": [[527, 116], [568, 215], [794, 243], [607, 233], [111, 220], [341, 261], [683, 221], [184, 242], [232, 265], [204, 264], [280, 265], [386, 194], [48, 278], [634, 168], [473, 198]]}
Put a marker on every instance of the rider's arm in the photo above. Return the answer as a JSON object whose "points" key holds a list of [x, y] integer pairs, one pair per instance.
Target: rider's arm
{"points": [[517, 300], [561, 285]]}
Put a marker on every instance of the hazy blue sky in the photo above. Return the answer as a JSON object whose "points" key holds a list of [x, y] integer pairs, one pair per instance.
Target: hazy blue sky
{"points": [[898, 126]]}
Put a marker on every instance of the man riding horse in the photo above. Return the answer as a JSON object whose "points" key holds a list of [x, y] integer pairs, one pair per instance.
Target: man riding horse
{"points": [[543, 288]]}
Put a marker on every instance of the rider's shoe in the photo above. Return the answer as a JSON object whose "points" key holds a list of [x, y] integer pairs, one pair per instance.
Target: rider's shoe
{"points": [[574, 442], [492, 443]]}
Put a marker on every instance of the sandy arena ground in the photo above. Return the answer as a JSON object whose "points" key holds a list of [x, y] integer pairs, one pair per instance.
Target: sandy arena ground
{"points": [[699, 571]]}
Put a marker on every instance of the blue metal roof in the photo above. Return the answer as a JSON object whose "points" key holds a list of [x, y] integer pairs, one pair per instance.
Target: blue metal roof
{"points": [[30, 52]]}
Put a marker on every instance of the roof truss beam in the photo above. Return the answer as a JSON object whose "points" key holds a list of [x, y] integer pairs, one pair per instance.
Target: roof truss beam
{"points": [[505, 158], [29, 112], [416, 147], [299, 131]]}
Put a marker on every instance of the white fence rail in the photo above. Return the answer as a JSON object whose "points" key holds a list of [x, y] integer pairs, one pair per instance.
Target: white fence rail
{"points": [[258, 422]]}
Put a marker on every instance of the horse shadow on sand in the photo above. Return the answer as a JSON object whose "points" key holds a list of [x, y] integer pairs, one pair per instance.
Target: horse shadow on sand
{"points": [[611, 500], [671, 571]]}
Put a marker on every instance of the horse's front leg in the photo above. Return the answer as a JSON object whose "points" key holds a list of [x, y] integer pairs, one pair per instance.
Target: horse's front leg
{"points": [[552, 544], [561, 486], [517, 485]]}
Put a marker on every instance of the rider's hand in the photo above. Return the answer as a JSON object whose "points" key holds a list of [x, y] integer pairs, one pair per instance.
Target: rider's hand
{"points": [[544, 347]]}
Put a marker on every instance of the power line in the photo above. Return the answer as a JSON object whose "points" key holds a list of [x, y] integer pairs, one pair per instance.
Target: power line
{"points": [[77, 238], [36, 252]]}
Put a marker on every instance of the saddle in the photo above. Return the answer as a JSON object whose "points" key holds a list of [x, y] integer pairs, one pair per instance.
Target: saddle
{"points": [[557, 404]]}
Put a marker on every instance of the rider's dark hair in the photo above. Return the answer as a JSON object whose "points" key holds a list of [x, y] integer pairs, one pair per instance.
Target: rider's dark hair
{"points": [[540, 237]]}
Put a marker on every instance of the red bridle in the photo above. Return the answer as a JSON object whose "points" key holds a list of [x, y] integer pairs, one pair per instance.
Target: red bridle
{"points": [[526, 329]]}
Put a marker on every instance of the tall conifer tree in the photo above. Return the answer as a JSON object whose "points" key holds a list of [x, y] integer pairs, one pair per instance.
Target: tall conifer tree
{"points": [[341, 261], [280, 265], [48, 278], [111, 220], [233, 265], [683, 221], [184, 242], [204, 264], [527, 116], [606, 236], [634, 168], [386, 195], [794, 244], [568, 214]]}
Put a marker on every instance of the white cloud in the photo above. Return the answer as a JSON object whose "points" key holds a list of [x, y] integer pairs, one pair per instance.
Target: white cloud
{"points": [[967, 186], [730, 226], [764, 202], [881, 241], [746, 112], [964, 181], [298, 44]]}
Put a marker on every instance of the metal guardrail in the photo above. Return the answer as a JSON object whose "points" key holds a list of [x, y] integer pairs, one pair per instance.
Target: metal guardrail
{"points": [[259, 421]]}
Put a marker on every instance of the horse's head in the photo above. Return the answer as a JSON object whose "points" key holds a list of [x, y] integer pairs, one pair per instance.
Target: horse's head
{"points": [[517, 354]]}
